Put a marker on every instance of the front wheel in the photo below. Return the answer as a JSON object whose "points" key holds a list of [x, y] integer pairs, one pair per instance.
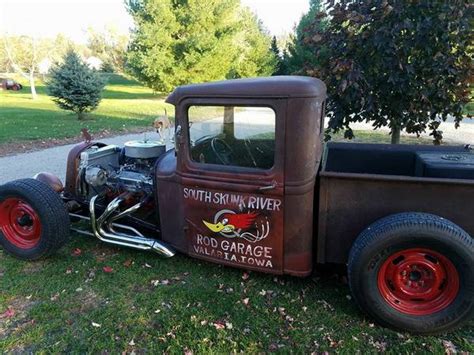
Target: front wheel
{"points": [[34, 222], [415, 272]]}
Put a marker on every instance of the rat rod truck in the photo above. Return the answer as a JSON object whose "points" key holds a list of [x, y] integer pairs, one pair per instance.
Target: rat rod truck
{"points": [[250, 184]]}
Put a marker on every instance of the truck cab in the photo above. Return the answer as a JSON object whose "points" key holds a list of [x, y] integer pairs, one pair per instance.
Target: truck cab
{"points": [[240, 186]]}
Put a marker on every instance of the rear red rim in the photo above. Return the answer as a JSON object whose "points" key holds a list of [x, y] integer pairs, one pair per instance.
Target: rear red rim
{"points": [[418, 281], [19, 223]]}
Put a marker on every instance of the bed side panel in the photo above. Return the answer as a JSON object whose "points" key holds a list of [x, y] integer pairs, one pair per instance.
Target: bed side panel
{"points": [[351, 202]]}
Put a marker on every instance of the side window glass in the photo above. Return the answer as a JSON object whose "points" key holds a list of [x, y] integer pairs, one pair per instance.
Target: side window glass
{"points": [[232, 135]]}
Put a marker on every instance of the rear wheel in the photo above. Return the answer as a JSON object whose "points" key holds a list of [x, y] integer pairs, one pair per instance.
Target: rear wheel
{"points": [[34, 222], [414, 271]]}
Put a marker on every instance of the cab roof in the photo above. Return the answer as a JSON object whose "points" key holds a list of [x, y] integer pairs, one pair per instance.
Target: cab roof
{"points": [[268, 87]]}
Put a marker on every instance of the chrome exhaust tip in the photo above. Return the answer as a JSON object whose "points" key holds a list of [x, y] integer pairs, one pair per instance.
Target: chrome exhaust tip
{"points": [[163, 250]]}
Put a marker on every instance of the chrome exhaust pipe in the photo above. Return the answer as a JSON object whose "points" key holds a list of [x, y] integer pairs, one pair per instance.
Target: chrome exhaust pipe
{"points": [[105, 230]]}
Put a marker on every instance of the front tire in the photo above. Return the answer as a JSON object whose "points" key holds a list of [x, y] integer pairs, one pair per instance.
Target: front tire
{"points": [[415, 272], [34, 222]]}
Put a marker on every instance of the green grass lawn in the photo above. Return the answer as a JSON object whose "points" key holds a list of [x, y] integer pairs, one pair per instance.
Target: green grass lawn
{"points": [[363, 136], [68, 303], [126, 105]]}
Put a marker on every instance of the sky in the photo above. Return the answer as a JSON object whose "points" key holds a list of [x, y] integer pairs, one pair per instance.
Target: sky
{"points": [[47, 18]]}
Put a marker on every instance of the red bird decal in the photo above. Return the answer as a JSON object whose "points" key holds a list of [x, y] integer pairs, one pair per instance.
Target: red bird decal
{"points": [[241, 220]]}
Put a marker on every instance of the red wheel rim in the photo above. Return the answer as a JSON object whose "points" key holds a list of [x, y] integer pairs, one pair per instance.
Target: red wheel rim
{"points": [[418, 281], [19, 223]]}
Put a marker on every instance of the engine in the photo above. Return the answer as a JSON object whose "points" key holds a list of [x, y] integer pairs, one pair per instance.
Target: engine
{"points": [[116, 184], [117, 170]]}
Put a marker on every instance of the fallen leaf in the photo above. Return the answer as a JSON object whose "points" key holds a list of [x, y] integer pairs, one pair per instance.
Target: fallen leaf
{"points": [[449, 347], [76, 252], [219, 325], [128, 263], [228, 325], [159, 282], [380, 345], [107, 269], [131, 342], [10, 312], [273, 347]]}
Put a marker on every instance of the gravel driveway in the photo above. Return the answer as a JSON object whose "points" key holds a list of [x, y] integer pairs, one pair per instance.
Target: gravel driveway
{"points": [[52, 160]]}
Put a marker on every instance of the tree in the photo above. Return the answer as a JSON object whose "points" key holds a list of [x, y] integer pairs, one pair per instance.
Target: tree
{"points": [[298, 56], [110, 46], [23, 54], [402, 64], [4, 62], [183, 41], [252, 45], [279, 70], [74, 86]]}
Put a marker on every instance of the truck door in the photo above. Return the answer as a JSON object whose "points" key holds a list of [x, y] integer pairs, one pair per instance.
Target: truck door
{"points": [[231, 168]]}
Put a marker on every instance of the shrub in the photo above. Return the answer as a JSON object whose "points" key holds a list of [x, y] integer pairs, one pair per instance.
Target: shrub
{"points": [[74, 86]]}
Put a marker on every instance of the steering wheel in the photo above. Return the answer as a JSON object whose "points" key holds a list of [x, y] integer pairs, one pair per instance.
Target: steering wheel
{"points": [[221, 150], [249, 152]]}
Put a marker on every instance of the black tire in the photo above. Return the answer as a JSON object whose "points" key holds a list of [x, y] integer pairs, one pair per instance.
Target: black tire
{"points": [[419, 235], [46, 223]]}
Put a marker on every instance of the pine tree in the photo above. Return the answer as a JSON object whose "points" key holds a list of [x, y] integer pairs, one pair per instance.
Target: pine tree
{"points": [[298, 56], [74, 86], [278, 59], [180, 42]]}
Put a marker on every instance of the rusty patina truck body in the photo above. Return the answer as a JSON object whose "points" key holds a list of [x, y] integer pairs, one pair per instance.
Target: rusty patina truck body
{"points": [[250, 184]]}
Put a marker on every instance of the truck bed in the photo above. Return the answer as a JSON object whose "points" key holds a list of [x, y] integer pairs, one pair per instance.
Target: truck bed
{"points": [[361, 183]]}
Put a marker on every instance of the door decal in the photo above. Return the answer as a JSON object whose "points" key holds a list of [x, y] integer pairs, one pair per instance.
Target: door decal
{"points": [[249, 226], [242, 229]]}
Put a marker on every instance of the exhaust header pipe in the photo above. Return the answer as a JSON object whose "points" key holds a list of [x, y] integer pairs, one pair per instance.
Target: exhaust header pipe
{"points": [[106, 230]]}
